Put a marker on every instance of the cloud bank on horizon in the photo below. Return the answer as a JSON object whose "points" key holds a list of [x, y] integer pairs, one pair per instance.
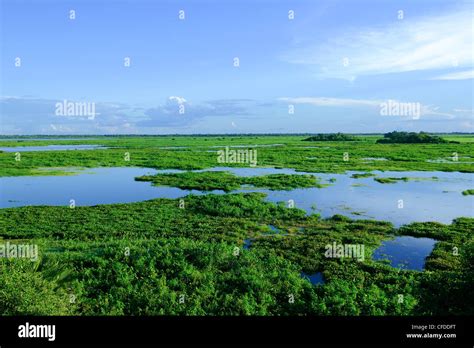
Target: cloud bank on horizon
{"points": [[236, 67]]}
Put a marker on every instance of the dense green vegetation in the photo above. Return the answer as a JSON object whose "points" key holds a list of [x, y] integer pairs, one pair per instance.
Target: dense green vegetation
{"points": [[390, 180], [331, 137], [158, 257], [361, 175], [411, 138], [191, 152], [208, 181], [187, 256], [393, 180], [468, 192]]}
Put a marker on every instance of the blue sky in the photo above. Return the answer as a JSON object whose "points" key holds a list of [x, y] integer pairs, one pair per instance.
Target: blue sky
{"points": [[335, 63]]}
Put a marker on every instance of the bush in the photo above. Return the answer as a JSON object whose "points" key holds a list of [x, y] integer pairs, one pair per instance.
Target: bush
{"points": [[410, 138], [24, 291], [331, 137]]}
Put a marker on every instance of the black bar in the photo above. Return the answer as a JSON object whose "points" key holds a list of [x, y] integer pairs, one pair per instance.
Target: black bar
{"points": [[241, 330]]}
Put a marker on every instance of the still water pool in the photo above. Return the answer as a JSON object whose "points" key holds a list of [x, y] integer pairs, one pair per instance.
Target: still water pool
{"points": [[51, 148], [405, 252], [422, 199]]}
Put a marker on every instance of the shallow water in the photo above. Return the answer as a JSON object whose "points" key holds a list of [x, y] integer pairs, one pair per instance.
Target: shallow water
{"points": [[400, 203], [405, 252], [90, 187], [51, 148], [423, 200], [443, 160], [315, 279], [273, 229], [247, 243], [46, 139]]}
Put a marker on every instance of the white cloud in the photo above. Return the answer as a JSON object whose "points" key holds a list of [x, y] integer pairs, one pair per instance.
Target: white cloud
{"points": [[60, 128], [179, 100], [425, 110], [29, 115], [460, 75], [323, 101], [441, 42]]}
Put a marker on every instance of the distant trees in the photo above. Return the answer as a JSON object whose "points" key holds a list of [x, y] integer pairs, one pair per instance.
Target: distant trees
{"points": [[331, 137], [389, 138], [410, 138]]}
